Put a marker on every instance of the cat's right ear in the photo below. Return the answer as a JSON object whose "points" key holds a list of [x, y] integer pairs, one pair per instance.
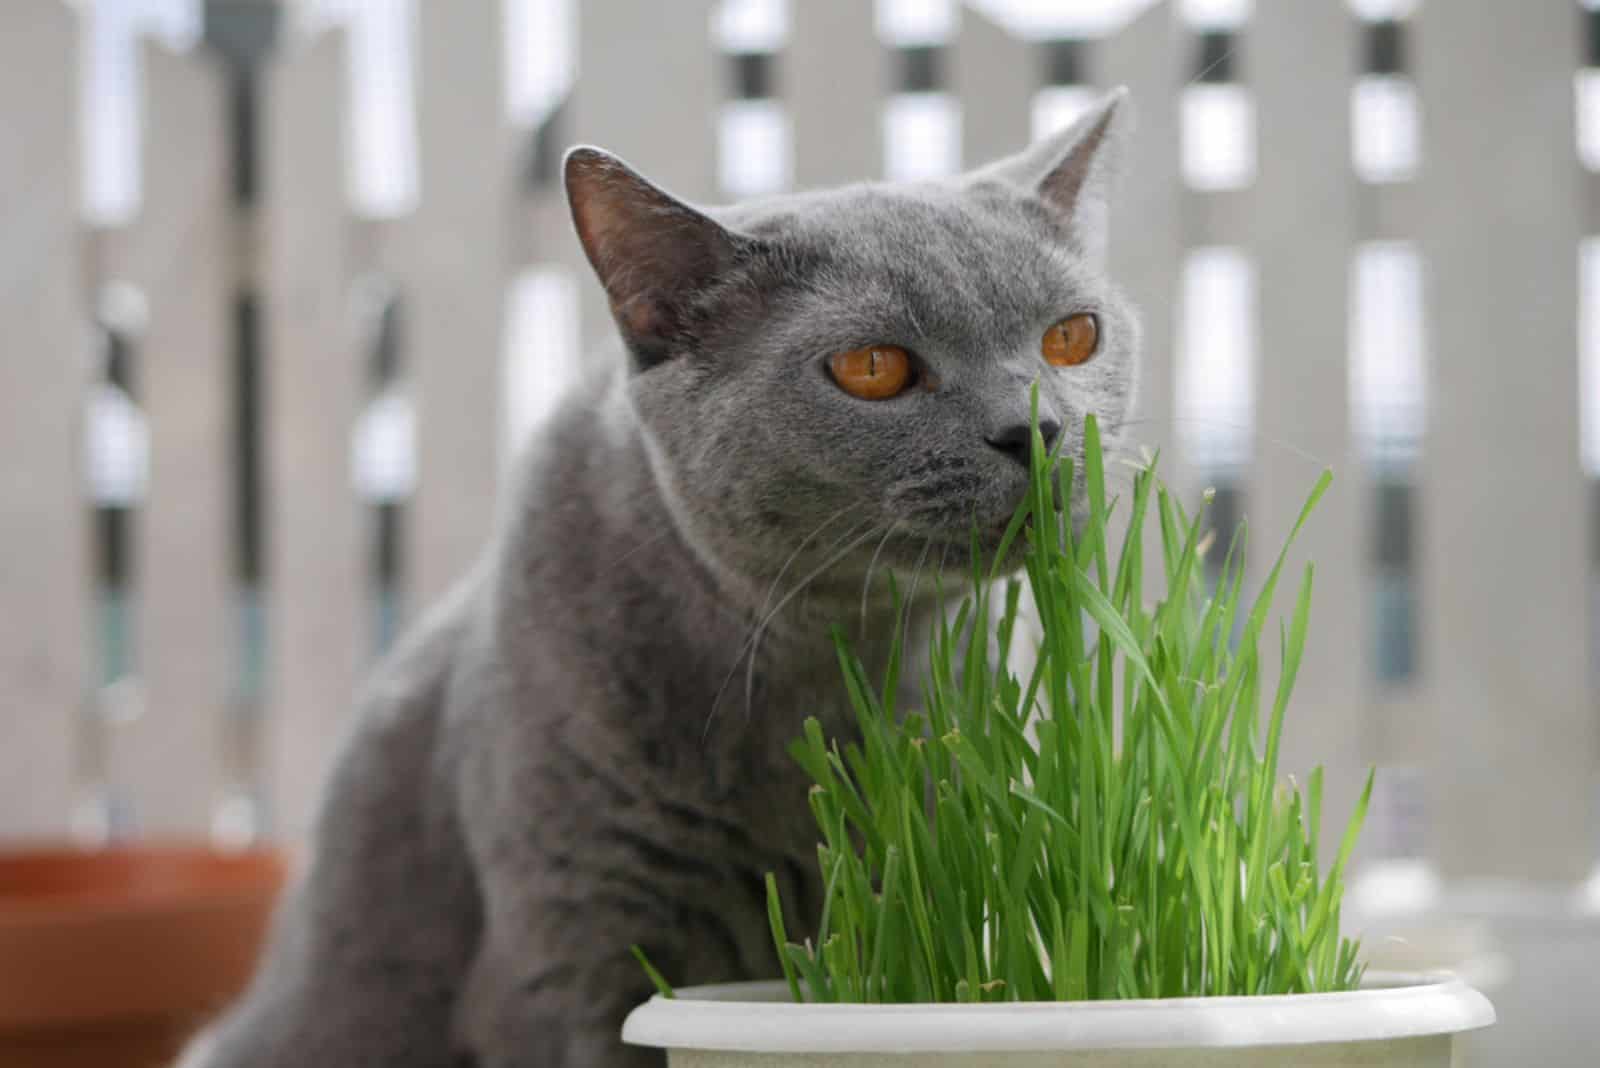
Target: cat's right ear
{"points": [[1073, 170], [653, 253]]}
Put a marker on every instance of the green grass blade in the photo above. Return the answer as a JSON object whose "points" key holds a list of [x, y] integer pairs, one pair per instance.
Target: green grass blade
{"points": [[663, 987]]}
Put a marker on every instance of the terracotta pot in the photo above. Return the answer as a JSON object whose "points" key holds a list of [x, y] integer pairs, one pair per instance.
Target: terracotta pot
{"points": [[112, 957]]}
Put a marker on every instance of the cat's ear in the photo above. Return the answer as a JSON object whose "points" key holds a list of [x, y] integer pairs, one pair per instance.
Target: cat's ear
{"points": [[1073, 171], [653, 253]]}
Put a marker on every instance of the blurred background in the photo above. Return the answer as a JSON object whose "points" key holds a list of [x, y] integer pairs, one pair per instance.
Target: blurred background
{"points": [[283, 285]]}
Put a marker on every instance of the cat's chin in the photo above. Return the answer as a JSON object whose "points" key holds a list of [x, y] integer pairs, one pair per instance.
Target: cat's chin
{"points": [[952, 551]]}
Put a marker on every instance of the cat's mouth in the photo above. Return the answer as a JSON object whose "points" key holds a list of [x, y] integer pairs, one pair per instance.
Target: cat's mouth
{"points": [[967, 511], [991, 536]]}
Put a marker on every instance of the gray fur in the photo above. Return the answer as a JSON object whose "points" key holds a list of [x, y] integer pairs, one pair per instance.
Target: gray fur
{"points": [[584, 746]]}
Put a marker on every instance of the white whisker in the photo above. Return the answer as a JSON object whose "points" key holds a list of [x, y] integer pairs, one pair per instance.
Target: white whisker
{"points": [[866, 584], [750, 644]]}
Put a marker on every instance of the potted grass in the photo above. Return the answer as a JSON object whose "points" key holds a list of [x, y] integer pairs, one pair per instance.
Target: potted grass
{"points": [[1096, 864]]}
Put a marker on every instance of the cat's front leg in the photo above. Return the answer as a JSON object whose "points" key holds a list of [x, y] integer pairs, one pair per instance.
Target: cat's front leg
{"points": [[558, 1003], [370, 947]]}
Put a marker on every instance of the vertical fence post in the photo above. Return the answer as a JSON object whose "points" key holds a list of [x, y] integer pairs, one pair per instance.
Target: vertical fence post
{"points": [[668, 133], [458, 248], [320, 631], [1302, 220], [43, 359], [996, 76], [169, 759], [835, 78], [1504, 568], [1146, 250]]}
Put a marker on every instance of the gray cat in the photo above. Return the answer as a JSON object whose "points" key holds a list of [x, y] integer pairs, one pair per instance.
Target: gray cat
{"points": [[584, 746]]}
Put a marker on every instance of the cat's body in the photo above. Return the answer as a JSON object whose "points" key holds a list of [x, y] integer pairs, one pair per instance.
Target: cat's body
{"points": [[584, 747], [525, 795]]}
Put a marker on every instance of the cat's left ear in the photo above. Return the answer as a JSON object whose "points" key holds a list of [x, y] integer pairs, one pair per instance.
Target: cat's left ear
{"points": [[1073, 171], [653, 253]]}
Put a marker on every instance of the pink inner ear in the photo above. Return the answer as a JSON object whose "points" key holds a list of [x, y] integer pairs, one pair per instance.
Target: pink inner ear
{"points": [[641, 316], [600, 222], [1064, 185], [650, 251]]}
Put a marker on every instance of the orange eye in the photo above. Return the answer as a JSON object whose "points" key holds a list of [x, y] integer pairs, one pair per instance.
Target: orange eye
{"points": [[1071, 341], [876, 372]]}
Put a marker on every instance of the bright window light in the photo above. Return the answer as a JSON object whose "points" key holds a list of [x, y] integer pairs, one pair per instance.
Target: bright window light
{"points": [[1384, 128], [915, 22], [1215, 14], [540, 362], [754, 148], [382, 76], [540, 45], [381, 174], [1388, 379], [751, 25], [383, 447], [116, 447], [1215, 395], [1587, 86], [1041, 19], [110, 87], [1219, 136], [1382, 10], [1589, 352], [1056, 107], [921, 136]]}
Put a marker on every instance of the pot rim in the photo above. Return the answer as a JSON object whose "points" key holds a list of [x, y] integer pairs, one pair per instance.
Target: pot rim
{"points": [[191, 880], [760, 1018]]}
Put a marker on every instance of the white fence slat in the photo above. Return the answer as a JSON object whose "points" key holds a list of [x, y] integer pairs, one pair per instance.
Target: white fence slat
{"points": [[181, 257], [835, 77], [43, 362], [1302, 225], [549, 239], [458, 247], [1145, 55], [996, 76], [320, 631], [668, 133], [1505, 574], [1147, 226]]}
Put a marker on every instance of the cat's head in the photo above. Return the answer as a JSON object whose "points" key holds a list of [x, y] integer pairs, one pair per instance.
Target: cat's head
{"points": [[847, 373]]}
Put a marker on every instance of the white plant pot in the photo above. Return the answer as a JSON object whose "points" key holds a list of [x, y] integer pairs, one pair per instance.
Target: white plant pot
{"points": [[1394, 1020]]}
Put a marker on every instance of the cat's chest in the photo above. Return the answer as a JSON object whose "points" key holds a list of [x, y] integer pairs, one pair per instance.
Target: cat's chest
{"points": [[712, 734]]}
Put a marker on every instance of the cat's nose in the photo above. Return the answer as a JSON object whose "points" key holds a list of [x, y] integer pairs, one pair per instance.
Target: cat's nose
{"points": [[1015, 440]]}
